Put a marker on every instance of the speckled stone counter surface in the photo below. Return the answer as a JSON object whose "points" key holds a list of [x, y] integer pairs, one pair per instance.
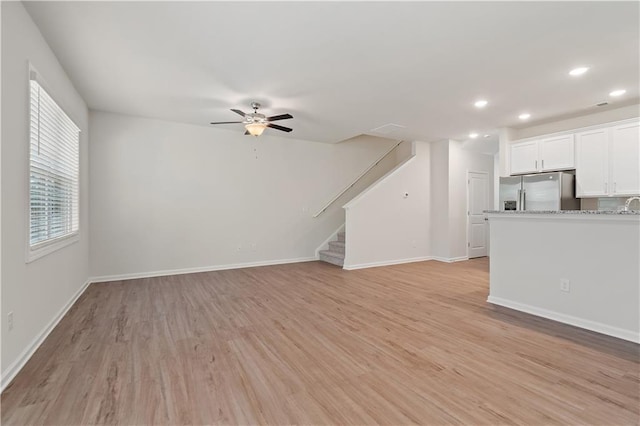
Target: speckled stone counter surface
{"points": [[586, 212]]}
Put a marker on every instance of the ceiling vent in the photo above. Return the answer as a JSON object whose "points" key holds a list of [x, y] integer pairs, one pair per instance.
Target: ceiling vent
{"points": [[387, 129]]}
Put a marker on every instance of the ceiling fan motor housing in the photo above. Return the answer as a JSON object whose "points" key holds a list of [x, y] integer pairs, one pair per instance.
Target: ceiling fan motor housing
{"points": [[255, 117]]}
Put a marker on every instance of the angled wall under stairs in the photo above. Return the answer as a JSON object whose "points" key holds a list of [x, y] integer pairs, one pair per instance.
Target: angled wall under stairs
{"points": [[389, 222]]}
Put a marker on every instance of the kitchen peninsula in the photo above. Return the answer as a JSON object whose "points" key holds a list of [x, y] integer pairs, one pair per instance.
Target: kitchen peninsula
{"points": [[577, 267]]}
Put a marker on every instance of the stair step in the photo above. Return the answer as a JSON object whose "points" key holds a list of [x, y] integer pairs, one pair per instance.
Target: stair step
{"points": [[341, 236], [337, 246], [332, 257]]}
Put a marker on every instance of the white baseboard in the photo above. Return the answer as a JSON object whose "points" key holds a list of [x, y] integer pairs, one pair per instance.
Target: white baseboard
{"points": [[150, 274], [386, 263], [620, 333], [16, 366], [450, 259]]}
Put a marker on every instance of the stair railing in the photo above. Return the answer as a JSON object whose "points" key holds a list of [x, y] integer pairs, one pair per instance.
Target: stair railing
{"points": [[360, 176]]}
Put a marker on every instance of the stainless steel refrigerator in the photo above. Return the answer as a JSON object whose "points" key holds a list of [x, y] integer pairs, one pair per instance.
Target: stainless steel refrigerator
{"points": [[542, 191]]}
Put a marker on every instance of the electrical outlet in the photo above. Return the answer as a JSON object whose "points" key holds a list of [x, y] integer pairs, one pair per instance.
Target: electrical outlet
{"points": [[565, 285], [10, 321], [253, 246]]}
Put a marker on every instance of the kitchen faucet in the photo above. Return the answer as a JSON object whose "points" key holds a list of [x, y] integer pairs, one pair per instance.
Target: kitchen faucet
{"points": [[628, 202]]}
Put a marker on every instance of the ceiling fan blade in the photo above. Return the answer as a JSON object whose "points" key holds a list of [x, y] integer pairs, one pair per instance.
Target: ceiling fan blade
{"points": [[227, 122], [275, 126], [280, 117], [237, 111]]}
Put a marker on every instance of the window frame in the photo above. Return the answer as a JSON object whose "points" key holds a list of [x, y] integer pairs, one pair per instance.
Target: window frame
{"points": [[43, 248]]}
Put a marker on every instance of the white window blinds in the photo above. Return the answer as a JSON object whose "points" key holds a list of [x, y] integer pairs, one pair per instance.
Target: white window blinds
{"points": [[53, 170]]}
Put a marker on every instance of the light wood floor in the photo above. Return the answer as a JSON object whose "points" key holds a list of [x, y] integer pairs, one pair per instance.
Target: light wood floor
{"points": [[310, 343]]}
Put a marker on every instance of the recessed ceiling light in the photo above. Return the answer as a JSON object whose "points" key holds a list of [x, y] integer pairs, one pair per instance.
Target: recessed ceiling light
{"points": [[524, 116], [578, 71], [618, 92], [481, 103], [473, 135]]}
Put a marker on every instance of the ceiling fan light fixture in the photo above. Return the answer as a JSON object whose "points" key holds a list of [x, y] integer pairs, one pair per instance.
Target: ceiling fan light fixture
{"points": [[255, 122], [255, 129]]}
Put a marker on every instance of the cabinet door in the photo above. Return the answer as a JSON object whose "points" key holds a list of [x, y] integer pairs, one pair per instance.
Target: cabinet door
{"points": [[592, 171], [625, 160], [557, 153], [524, 157]]}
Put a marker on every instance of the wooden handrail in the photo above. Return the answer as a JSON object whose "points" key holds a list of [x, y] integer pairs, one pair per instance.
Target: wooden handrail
{"points": [[333, 200]]}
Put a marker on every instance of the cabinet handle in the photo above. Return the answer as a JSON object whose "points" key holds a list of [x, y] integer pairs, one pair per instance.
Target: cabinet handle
{"points": [[536, 164], [543, 164], [614, 187], [605, 187]]}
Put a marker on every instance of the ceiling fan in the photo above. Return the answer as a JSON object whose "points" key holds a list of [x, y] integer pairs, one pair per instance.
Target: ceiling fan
{"points": [[255, 123]]}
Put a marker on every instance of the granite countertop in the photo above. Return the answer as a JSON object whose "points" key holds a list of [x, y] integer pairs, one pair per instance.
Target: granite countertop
{"points": [[585, 212]]}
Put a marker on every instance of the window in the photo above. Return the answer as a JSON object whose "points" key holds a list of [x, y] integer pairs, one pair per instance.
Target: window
{"points": [[53, 173]]}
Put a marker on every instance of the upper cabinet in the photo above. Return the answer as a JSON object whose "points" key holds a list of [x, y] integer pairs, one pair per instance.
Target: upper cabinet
{"points": [[557, 153], [608, 161], [624, 163], [524, 157], [592, 170], [544, 155]]}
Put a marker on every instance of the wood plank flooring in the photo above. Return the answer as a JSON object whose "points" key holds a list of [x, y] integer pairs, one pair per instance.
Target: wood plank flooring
{"points": [[309, 343]]}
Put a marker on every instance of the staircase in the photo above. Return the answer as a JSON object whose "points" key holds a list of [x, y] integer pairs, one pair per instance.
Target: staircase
{"points": [[335, 254]]}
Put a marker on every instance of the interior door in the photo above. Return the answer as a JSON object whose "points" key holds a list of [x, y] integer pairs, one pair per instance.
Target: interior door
{"points": [[477, 203]]}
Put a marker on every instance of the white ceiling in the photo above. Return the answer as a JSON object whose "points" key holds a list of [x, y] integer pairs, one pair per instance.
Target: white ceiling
{"points": [[344, 68]]}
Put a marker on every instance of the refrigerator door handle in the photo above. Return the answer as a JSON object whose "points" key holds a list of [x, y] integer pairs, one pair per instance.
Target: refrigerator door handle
{"points": [[524, 200]]}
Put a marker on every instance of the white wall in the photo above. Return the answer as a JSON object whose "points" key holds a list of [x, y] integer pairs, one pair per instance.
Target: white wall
{"points": [[598, 254], [169, 197], [585, 120], [38, 291], [439, 206], [450, 162], [496, 181], [505, 136], [460, 162], [404, 151], [385, 227]]}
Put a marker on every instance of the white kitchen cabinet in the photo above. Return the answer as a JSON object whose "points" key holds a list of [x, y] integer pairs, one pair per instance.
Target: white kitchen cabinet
{"points": [[557, 153], [544, 155], [524, 157], [608, 161], [592, 171], [624, 163]]}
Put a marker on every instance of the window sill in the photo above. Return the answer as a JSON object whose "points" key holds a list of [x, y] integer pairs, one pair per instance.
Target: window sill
{"points": [[50, 246]]}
